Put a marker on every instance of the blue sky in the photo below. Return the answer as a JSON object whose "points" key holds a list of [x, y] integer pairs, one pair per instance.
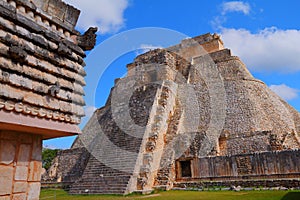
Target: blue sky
{"points": [[265, 34]]}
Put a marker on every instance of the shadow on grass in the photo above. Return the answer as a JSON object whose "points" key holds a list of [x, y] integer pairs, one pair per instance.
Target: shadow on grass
{"points": [[291, 196]]}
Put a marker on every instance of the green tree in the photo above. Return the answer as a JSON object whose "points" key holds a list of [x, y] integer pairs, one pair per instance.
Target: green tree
{"points": [[47, 156]]}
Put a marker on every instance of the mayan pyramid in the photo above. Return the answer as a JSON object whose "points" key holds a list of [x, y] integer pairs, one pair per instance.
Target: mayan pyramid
{"points": [[179, 105]]}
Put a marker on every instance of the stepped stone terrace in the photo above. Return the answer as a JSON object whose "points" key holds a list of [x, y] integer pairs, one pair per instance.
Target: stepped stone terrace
{"points": [[191, 113]]}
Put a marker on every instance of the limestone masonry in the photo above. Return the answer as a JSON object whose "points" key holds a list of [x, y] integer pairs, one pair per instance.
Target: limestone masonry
{"points": [[41, 87], [190, 113]]}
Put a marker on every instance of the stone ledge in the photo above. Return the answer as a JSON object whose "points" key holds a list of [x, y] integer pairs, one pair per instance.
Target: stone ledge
{"points": [[9, 12], [41, 78], [27, 109], [40, 88], [18, 95], [45, 66], [73, 63], [33, 125], [54, 11]]}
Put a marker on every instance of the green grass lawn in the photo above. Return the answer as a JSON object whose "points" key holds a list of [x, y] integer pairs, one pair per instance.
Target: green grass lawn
{"points": [[181, 195]]}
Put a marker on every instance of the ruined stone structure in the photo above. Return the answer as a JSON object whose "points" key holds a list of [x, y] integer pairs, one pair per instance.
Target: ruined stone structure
{"points": [[188, 113], [41, 87]]}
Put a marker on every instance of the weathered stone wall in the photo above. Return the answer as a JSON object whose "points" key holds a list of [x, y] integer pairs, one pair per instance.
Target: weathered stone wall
{"points": [[265, 183], [252, 113], [41, 64], [20, 165], [67, 166], [41, 86], [269, 165]]}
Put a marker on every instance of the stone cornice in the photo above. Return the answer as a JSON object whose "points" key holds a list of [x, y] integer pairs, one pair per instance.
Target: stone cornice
{"points": [[52, 13], [26, 109]]}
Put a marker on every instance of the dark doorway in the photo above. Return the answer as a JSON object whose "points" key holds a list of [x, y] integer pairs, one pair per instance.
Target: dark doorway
{"points": [[185, 168]]}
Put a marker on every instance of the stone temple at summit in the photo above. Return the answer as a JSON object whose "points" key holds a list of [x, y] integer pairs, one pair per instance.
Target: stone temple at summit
{"points": [[184, 116]]}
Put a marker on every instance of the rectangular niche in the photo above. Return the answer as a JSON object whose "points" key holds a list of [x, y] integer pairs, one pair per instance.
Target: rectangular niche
{"points": [[185, 169]]}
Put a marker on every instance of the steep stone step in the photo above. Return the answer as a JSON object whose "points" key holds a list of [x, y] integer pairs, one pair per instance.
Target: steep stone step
{"points": [[100, 178], [115, 153]]}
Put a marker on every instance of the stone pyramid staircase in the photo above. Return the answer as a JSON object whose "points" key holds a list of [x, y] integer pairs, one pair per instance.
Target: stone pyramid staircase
{"points": [[111, 164], [100, 179], [120, 163], [110, 167]]}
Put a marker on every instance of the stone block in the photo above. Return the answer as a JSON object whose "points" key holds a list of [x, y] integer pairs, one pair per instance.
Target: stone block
{"points": [[21, 173], [20, 81], [66, 83], [24, 154], [35, 171], [22, 30], [65, 106], [78, 88], [11, 92], [7, 151], [37, 149], [2, 34], [32, 61], [6, 179], [7, 23], [20, 187], [19, 196], [43, 5], [51, 103], [25, 138], [34, 191], [39, 87], [9, 135], [78, 99], [5, 197], [57, 8], [33, 98], [71, 15], [4, 49], [5, 63]]}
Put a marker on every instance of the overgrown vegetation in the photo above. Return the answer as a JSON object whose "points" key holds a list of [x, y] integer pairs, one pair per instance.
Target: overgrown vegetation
{"points": [[181, 195], [47, 156]]}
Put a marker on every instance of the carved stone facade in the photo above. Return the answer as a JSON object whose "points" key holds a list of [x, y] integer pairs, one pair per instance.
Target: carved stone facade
{"points": [[186, 113], [41, 86], [20, 165]]}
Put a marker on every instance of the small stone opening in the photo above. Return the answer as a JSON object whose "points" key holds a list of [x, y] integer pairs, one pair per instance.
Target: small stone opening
{"points": [[153, 76], [185, 168]]}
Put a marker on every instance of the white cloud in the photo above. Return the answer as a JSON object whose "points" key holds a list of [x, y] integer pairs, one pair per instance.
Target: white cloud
{"points": [[285, 92], [235, 6], [228, 7], [49, 146], [89, 110], [150, 47], [270, 49], [218, 21], [146, 47], [107, 15]]}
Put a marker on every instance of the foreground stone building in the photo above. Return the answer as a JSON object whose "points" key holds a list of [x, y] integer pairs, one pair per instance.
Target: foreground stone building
{"points": [[41, 87], [185, 116]]}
